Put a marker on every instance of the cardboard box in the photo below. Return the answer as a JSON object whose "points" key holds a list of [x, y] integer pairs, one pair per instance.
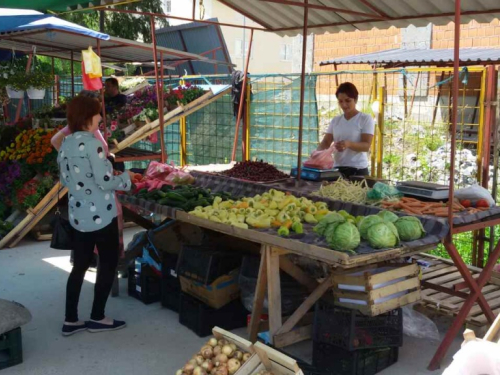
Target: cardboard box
{"points": [[217, 294]]}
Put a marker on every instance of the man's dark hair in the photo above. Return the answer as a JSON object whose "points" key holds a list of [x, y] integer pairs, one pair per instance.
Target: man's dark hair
{"points": [[349, 89], [113, 81]]}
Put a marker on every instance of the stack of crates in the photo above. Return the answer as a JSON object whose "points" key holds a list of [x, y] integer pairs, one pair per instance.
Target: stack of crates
{"points": [[144, 283], [170, 284], [201, 267], [346, 342], [11, 348]]}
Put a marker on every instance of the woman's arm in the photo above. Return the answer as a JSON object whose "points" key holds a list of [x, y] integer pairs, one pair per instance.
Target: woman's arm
{"points": [[58, 138], [100, 138], [326, 142], [103, 170], [363, 146]]}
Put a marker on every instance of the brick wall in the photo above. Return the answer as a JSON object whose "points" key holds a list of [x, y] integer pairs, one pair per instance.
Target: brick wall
{"points": [[473, 34]]}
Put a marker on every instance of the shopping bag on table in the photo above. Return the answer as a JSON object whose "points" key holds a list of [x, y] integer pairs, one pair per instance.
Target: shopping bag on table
{"points": [[92, 84], [321, 159], [92, 63]]}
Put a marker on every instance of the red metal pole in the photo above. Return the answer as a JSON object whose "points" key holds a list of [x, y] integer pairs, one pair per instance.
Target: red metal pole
{"points": [[159, 89], [242, 98], [73, 73], [455, 95], [302, 88], [102, 94], [20, 102], [164, 155]]}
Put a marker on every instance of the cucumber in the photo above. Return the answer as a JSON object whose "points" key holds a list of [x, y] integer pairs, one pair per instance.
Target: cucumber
{"points": [[176, 197]]}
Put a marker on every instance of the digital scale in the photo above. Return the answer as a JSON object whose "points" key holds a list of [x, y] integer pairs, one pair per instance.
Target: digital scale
{"points": [[313, 174], [424, 189]]}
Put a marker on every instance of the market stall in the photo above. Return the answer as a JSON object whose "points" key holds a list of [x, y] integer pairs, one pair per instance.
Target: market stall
{"points": [[305, 16]]}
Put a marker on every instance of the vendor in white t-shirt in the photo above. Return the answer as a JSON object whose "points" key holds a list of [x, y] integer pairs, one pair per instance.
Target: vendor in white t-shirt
{"points": [[352, 133]]}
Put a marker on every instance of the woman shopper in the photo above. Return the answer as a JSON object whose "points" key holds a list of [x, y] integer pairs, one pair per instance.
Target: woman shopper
{"points": [[88, 175], [56, 142], [352, 133]]}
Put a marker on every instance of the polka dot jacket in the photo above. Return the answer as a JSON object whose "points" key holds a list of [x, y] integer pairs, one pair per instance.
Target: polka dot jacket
{"points": [[88, 175]]}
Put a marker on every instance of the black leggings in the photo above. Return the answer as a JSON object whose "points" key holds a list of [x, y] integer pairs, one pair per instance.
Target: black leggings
{"points": [[107, 241]]}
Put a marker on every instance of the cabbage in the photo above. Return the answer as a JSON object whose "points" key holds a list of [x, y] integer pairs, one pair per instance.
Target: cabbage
{"points": [[344, 236], [383, 235], [346, 215], [366, 223], [388, 216], [410, 228], [328, 219]]}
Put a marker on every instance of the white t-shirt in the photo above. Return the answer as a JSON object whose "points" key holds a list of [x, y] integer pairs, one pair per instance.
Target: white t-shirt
{"points": [[351, 130]]}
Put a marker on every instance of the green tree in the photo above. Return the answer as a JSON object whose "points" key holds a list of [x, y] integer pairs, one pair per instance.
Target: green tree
{"points": [[123, 25]]}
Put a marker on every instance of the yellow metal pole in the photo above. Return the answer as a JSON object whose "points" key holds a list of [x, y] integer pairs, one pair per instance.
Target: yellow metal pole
{"points": [[380, 127], [247, 119], [182, 126], [480, 129]]}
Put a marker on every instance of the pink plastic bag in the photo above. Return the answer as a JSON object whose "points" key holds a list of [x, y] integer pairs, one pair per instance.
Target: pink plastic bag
{"points": [[158, 170], [92, 84], [321, 159]]}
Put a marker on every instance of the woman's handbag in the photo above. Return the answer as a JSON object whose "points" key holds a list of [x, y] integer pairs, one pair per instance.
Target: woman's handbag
{"points": [[62, 235]]}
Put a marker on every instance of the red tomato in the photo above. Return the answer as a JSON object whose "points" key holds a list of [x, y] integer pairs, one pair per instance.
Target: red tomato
{"points": [[482, 203], [466, 203]]}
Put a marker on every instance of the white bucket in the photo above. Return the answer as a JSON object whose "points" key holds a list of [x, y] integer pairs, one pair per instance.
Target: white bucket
{"points": [[35, 93], [14, 94]]}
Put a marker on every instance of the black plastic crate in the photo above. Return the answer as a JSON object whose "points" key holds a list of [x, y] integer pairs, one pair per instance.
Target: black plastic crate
{"points": [[201, 318], [144, 285], [351, 330], [170, 284], [337, 361], [204, 264], [11, 348]]}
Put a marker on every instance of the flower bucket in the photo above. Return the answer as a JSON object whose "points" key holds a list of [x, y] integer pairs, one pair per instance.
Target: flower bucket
{"points": [[14, 94], [36, 93]]}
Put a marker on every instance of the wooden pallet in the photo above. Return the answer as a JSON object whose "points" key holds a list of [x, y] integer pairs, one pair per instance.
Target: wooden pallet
{"points": [[443, 273]]}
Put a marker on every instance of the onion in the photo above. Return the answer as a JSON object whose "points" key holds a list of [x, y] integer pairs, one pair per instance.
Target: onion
{"points": [[207, 353], [217, 350], [222, 370], [232, 365], [214, 370], [193, 361], [188, 369], [238, 355], [227, 350], [220, 359], [212, 342], [222, 342], [179, 372], [246, 357], [199, 371], [233, 346], [199, 359], [205, 347], [207, 366]]}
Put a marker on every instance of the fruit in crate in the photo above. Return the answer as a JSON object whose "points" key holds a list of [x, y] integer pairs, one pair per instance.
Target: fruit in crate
{"points": [[216, 357]]}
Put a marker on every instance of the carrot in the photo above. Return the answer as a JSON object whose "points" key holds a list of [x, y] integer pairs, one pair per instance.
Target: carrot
{"points": [[408, 200], [410, 209]]}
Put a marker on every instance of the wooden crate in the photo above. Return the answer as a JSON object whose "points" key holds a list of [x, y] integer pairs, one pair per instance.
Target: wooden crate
{"points": [[374, 291], [270, 360]]}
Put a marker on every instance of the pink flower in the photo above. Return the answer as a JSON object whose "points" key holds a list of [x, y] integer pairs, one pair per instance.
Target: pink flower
{"points": [[114, 122], [113, 126], [108, 133]]}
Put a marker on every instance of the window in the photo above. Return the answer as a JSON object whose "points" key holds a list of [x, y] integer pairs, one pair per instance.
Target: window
{"points": [[286, 52], [168, 6], [238, 48]]}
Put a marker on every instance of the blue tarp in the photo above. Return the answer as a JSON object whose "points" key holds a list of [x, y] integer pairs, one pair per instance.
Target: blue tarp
{"points": [[12, 23]]}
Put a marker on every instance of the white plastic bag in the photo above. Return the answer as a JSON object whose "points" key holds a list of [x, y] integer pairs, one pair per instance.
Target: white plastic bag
{"points": [[475, 193], [418, 325], [476, 358]]}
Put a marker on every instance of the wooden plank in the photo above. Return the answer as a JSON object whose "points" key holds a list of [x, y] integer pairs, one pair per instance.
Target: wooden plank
{"points": [[494, 281], [397, 273], [307, 319], [381, 308], [260, 294], [43, 236], [483, 320], [436, 267], [263, 357], [241, 343], [169, 119], [273, 292], [493, 302], [251, 366], [444, 279], [292, 337], [493, 331], [306, 306], [278, 357], [14, 232], [304, 279], [441, 272], [389, 290]]}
